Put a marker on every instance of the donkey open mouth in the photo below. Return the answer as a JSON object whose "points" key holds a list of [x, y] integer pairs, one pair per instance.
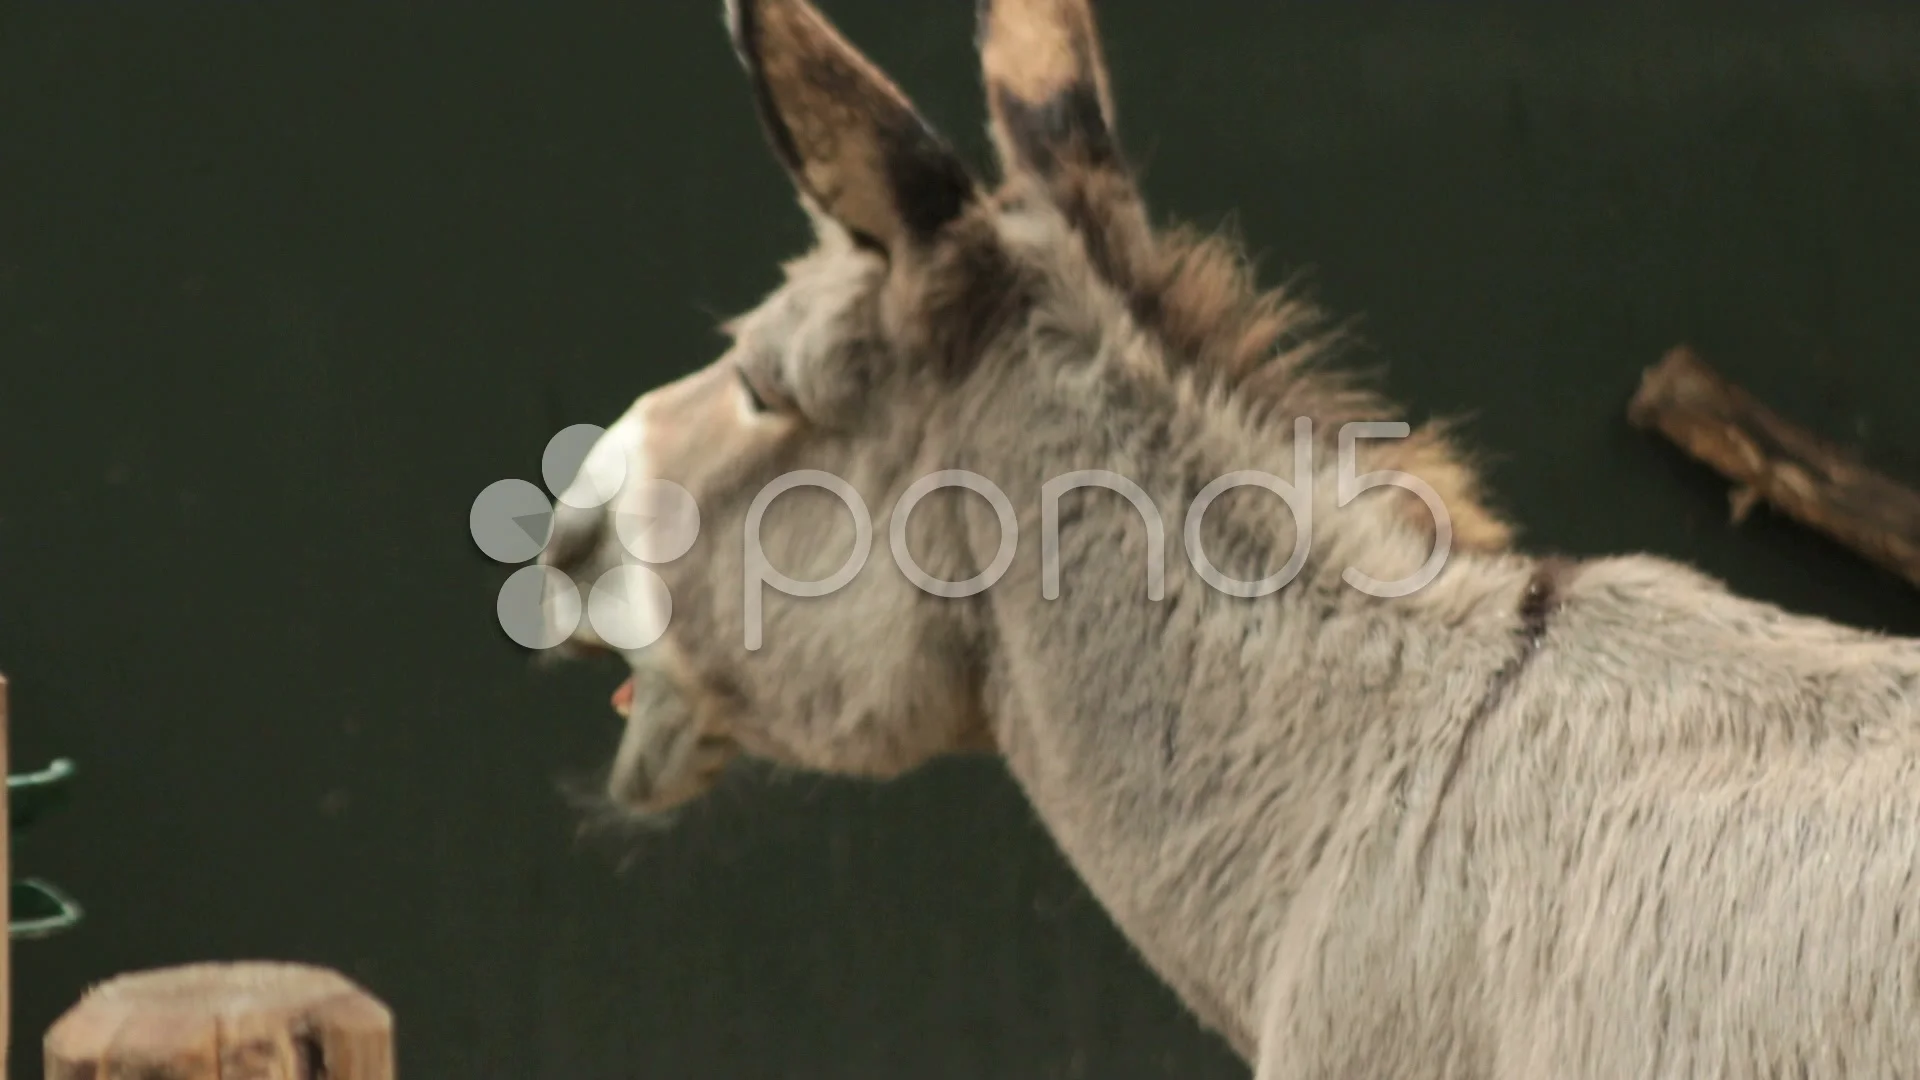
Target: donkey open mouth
{"points": [[666, 757]]}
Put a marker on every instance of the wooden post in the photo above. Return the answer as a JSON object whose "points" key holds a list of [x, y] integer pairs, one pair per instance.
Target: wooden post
{"points": [[6, 896], [242, 1021]]}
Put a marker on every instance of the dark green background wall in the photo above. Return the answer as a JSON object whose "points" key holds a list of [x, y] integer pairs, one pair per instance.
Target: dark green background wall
{"points": [[283, 286]]}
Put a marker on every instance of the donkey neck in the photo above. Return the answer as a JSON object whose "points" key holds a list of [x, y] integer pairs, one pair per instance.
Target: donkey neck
{"points": [[1195, 755]]}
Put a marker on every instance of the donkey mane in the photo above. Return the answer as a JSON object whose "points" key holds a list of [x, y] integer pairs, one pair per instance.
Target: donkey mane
{"points": [[1271, 350]]}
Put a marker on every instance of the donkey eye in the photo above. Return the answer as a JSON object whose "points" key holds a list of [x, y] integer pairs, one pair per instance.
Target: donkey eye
{"points": [[761, 398], [754, 400]]}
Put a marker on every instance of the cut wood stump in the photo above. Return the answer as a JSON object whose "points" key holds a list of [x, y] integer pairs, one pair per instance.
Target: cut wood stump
{"points": [[1772, 460], [237, 1021]]}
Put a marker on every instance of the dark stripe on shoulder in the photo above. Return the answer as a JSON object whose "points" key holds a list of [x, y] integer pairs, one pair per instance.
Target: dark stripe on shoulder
{"points": [[1539, 600], [1543, 596]]}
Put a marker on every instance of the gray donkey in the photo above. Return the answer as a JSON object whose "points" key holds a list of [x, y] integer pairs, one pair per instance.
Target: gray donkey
{"points": [[1378, 794]]}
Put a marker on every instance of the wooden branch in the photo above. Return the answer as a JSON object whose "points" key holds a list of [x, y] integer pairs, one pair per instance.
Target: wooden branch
{"points": [[260, 1021], [1771, 459]]}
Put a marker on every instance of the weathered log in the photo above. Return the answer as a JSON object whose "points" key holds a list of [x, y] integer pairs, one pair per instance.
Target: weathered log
{"points": [[1772, 460]]}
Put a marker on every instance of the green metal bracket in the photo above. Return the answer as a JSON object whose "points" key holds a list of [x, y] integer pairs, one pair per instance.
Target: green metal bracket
{"points": [[39, 908]]}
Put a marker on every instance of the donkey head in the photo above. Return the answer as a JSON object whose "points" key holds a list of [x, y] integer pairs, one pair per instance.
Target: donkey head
{"points": [[930, 325]]}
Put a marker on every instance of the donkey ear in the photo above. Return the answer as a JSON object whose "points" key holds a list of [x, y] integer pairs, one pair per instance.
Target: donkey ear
{"points": [[853, 143], [1047, 92]]}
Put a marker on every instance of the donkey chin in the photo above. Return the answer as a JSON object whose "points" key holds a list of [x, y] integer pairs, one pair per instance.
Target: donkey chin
{"points": [[667, 756], [671, 751]]}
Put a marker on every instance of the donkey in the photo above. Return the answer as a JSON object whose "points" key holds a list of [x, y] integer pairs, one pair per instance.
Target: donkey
{"points": [[1512, 817]]}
